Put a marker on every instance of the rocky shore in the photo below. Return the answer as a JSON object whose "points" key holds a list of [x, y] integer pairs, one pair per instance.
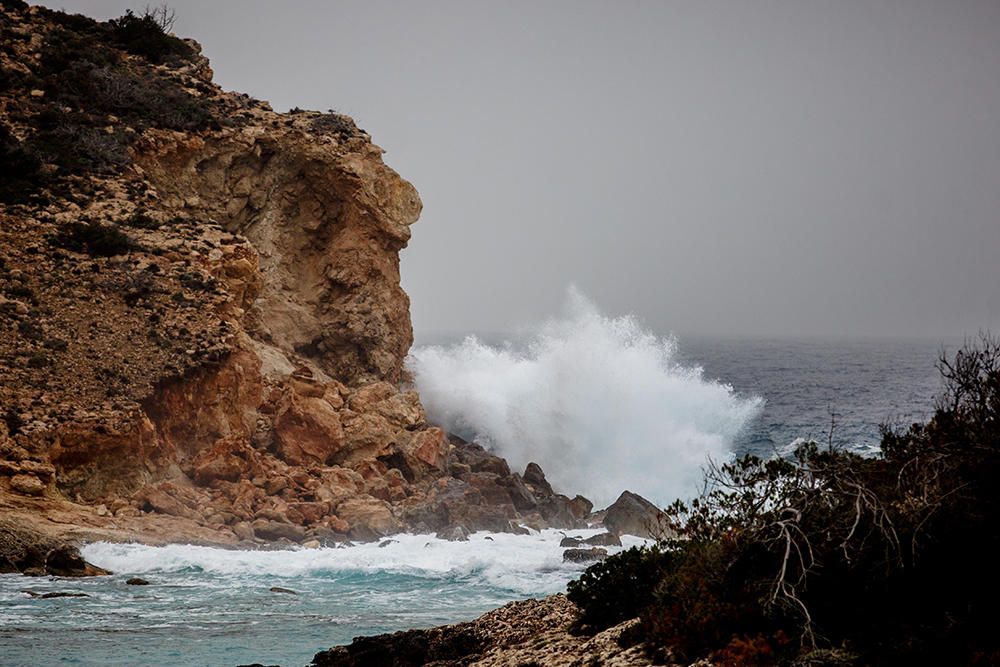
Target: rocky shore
{"points": [[529, 632]]}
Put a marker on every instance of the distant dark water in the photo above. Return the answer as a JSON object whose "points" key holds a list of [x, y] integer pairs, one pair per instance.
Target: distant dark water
{"points": [[863, 383]]}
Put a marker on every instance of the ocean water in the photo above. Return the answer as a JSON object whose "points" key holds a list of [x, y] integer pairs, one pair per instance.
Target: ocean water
{"points": [[208, 606], [600, 402], [834, 391]]}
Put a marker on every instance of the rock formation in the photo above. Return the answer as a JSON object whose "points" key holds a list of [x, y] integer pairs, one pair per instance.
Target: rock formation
{"points": [[27, 551], [632, 514], [202, 330]]}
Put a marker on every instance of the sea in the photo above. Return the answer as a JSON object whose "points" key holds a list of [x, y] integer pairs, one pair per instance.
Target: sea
{"points": [[600, 401]]}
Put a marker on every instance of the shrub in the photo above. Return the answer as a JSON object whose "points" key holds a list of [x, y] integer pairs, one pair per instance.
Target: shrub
{"points": [[96, 100], [80, 148], [94, 239], [335, 123], [19, 168], [38, 360], [145, 99], [140, 219], [615, 589], [13, 421], [146, 36]]}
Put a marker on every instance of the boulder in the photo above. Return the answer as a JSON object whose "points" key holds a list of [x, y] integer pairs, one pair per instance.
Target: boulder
{"points": [[490, 489], [307, 430], [65, 561], [535, 478], [590, 555], [366, 511], [25, 550], [28, 485], [562, 512], [270, 530], [632, 514], [243, 531], [136, 581], [456, 533], [520, 494], [428, 449], [603, 540], [228, 459], [309, 512], [477, 458], [367, 435]]}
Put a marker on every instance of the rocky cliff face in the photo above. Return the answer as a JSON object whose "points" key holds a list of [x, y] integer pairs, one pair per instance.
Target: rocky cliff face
{"points": [[202, 331]]}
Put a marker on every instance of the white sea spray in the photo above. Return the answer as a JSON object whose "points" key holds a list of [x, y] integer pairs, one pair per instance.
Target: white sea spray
{"points": [[525, 564], [599, 402]]}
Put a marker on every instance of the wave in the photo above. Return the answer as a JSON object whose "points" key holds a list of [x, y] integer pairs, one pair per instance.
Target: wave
{"points": [[599, 402], [522, 563]]}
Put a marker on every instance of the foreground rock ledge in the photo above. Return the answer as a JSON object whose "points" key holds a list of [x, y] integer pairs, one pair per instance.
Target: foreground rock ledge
{"points": [[530, 632]]}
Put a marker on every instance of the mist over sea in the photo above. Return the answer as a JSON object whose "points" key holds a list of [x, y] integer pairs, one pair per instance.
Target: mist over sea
{"points": [[601, 402]]}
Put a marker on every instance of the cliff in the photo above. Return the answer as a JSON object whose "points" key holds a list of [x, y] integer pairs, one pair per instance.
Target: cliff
{"points": [[202, 330]]}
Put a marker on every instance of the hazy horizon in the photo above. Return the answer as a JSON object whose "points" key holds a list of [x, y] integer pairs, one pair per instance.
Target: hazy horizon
{"points": [[721, 168]]}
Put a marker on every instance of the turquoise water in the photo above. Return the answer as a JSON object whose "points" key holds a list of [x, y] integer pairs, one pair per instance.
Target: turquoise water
{"points": [[209, 606]]}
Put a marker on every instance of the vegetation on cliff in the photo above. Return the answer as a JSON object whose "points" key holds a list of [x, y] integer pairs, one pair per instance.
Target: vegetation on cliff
{"points": [[81, 103], [828, 557]]}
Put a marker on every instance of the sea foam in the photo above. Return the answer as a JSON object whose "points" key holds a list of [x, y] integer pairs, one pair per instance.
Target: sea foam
{"points": [[525, 564], [599, 402]]}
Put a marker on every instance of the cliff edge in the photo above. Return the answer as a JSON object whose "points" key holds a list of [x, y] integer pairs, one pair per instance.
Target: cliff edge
{"points": [[202, 330]]}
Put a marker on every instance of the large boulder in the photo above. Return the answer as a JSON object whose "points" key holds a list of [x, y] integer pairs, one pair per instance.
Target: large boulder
{"points": [[535, 478], [307, 430], [371, 513], [23, 549], [632, 514], [563, 512], [229, 459], [28, 485], [271, 530], [477, 458]]}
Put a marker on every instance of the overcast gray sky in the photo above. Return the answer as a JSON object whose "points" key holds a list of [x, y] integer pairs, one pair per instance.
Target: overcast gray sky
{"points": [[734, 167]]}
